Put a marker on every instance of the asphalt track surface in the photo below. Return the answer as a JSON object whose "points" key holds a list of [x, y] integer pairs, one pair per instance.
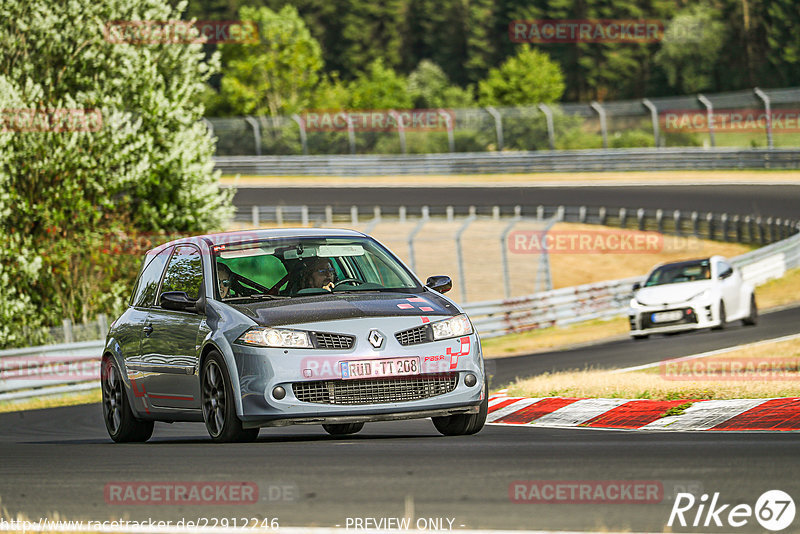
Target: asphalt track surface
{"points": [[765, 200], [59, 461]]}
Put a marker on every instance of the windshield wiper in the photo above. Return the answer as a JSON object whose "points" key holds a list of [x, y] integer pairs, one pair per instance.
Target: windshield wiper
{"points": [[258, 296]]}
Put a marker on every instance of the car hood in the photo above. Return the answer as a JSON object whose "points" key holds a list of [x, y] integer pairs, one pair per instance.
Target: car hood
{"points": [[671, 293], [345, 306]]}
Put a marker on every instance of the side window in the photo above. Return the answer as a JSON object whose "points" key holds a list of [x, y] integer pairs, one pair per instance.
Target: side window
{"points": [[146, 289], [725, 270], [184, 272]]}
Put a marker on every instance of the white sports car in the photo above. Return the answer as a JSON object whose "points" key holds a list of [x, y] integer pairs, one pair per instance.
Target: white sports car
{"points": [[689, 295]]}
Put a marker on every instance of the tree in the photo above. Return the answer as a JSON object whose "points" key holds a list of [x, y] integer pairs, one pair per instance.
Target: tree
{"points": [[430, 88], [690, 49], [529, 77], [140, 163], [278, 74], [380, 87]]}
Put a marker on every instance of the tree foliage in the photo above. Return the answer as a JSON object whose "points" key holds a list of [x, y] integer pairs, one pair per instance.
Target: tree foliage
{"points": [[530, 77]]}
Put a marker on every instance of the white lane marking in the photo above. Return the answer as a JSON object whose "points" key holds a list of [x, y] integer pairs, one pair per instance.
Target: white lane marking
{"points": [[704, 415], [705, 354], [579, 412], [511, 408]]}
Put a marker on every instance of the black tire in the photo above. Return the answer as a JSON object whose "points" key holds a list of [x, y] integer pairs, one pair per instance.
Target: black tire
{"points": [[219, 410], [343, 429], [121, 424], [640, 337], [723, 319], [752, 318], [466, 424]]}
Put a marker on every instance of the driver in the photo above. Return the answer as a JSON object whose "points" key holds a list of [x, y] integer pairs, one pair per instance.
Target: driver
{"points": [[319, 273], [225, 278]]}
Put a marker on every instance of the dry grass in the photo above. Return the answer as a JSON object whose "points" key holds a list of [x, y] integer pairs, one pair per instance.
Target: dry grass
{"points": [[769, 370], [554, 338], [72, 399], [668, 177], [779, 292]]}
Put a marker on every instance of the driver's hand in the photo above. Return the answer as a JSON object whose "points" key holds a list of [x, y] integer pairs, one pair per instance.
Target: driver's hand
{"points": [[328, 286]]}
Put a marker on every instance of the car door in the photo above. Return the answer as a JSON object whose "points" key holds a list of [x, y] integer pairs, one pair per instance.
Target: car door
{"points": [[730, 282], [170, 348]]}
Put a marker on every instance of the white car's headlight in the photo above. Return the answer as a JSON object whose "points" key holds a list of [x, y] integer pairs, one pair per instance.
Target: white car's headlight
{"points": [[276, 337], [453, 327]]}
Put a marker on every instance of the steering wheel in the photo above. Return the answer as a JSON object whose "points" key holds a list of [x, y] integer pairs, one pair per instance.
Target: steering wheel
{"points": [[354, 281]]}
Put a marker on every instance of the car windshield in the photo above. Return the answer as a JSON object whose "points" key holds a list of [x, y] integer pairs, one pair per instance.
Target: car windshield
{"points": [[675, 273], [284, 268]]}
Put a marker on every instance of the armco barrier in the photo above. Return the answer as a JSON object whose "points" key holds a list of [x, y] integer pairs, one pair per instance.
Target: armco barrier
{"points": [[76, 366], [622, 159]]}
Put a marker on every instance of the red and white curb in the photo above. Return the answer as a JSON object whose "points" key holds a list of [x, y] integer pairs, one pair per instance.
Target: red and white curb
{"points": [[556, 412]]}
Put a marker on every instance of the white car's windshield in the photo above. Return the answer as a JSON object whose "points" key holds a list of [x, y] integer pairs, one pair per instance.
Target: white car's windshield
{"points": [[674, 273], [307, 266]]}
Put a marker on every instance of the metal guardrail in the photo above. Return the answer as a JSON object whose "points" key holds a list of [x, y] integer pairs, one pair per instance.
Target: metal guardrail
{"points": [[609, 299], [69, 367], [623, 159]]}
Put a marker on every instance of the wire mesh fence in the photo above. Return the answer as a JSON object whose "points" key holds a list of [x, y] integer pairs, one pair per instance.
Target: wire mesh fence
{"points": [[754, 118]]}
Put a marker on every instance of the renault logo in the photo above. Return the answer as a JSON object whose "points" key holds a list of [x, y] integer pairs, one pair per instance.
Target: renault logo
{"points": [[375, 339]]}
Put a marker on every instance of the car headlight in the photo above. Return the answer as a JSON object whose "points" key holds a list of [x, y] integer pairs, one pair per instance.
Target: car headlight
{"points": [[276, 337], [452, 327]]}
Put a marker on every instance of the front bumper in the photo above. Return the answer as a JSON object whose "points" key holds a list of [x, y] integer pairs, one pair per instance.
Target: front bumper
{"points": [[261, 370], [694, 316]]}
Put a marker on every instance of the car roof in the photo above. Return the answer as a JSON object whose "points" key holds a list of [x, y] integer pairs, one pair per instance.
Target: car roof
{"points": [[258, 234], [710, 260]]}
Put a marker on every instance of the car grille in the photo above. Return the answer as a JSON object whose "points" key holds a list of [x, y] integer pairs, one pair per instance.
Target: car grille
{"points": [[333, 341], [413, 336], [376, 390]]}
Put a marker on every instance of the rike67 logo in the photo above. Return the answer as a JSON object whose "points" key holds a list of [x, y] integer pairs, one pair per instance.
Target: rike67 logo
{"points": [[774, 510]]}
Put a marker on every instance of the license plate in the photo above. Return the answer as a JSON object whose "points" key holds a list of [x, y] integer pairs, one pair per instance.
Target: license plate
{"points": [[379, 368], [666, 317]]}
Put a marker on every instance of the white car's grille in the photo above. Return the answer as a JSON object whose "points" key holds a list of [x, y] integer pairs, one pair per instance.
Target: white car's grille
{"points": [[375, 390], [333, 341], [413, 336]]}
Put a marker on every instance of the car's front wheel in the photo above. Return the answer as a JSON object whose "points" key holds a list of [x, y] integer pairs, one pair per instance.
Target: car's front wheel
{"points": [[219, 410], [752, 318], [120, 422], [343, 429], [723, 320], [466, 424]]}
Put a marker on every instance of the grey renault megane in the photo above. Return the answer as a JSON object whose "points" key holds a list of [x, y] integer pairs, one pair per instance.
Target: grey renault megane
{"points": [[243, 330]]}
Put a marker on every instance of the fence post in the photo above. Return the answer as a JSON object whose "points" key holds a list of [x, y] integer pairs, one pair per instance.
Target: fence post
{"points": [[460, 257], [724, 225], [411, 236], [654, 119], [304, 215], [660, 221], [582, 214], [66, 325], [472, 211], [449, 121], [602, 114], [517, 211], [676, 218], [548, 116], [401, 214], [760, 226], [696, 224], [329, 215], [737, 228], [498, 126], [351, 133], [560, 213], [450, 213], [544, 278], [768, 110], [256, 216], [401, 129], [354, 215], [495, 213], [748, 224], [601, 215], [504, 255], [102, 324], [623, 217], [640, 218], [540, 213], [709, 117], [301, 124], [256, 133], [279, 215], [710, 219], [425, 212]]}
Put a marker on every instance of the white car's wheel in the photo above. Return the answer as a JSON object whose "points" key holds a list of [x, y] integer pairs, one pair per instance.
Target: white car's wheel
{"points": [[752, 317], [723, 320]]}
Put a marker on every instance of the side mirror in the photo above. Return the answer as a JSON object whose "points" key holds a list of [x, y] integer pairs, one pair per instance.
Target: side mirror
{"points": [[440, 283], [178, 300], [725, 274], [637, 286]]}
